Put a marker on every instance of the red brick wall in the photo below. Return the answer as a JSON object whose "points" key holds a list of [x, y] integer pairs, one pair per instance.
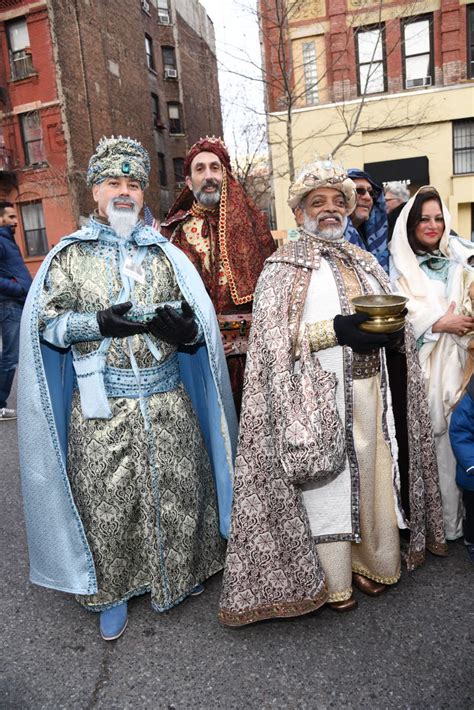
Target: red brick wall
{"points": [[341, 57], [47, 183], [97, 102], [73, 46], [198, 80], [449, 36], [275, 54]]}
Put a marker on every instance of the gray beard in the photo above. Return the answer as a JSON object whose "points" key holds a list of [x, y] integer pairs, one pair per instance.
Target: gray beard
{"points": [[208, 199], [122, 220], [312, 226]]}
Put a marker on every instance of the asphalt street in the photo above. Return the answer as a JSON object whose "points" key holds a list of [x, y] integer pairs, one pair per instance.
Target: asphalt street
{"points": [[410, 648]]}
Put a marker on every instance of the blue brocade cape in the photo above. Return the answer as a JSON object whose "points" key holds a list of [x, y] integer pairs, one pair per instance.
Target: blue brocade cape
{"points": [[60, 557]]}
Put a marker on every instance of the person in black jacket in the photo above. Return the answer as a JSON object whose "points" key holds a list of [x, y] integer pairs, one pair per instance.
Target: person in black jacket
{"points": [[15, 281]]}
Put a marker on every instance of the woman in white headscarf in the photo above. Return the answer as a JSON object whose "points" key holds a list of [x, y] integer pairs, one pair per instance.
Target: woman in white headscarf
{"points": [[429, 267]]}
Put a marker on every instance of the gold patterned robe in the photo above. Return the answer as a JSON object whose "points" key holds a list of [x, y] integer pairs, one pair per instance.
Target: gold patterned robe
{"points": [[146, 498]]}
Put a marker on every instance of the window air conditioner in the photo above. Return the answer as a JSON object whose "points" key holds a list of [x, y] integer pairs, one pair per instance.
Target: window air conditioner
{"points": [[164, 18], [422, 81], [146, 6], [171, 73]]}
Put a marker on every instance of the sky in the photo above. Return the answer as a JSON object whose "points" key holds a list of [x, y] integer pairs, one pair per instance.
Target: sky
{"points": [[238, 50]]}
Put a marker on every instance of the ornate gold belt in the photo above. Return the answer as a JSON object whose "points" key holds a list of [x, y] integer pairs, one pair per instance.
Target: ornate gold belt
{"points": [[365, 366]]}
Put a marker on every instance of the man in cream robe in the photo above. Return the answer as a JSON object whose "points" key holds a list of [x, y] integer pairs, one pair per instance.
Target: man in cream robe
{"points": [[306, 526]]}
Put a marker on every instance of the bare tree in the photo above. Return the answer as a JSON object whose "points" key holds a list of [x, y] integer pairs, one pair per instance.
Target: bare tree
{"points": [[289, 86]]}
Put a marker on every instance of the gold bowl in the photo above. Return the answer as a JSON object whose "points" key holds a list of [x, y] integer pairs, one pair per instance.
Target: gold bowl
{"points": [[384, 311]]}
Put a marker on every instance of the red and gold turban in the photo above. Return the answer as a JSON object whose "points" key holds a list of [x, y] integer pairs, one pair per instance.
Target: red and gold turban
{"points": [[209, 144]]}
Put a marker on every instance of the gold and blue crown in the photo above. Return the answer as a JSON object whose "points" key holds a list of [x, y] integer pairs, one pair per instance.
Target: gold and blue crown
{"points": [[119, 157]]}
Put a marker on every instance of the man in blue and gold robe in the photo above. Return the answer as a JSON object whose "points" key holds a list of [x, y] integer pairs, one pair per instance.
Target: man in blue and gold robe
{"points": [[126, 422]]}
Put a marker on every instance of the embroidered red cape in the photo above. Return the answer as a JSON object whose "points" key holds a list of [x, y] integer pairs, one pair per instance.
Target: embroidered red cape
{"points": [[246, 241]]}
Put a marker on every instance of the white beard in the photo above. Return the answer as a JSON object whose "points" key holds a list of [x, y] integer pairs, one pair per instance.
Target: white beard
{"points": [[332, 234], [122, 220]]}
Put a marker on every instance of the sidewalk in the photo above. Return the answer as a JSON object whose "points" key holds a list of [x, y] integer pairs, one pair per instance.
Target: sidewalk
{"points": [[410, 648]]}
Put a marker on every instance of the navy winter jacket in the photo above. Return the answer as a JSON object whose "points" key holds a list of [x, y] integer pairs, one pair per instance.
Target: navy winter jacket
{"points": [[15, 279], [461, 433]]}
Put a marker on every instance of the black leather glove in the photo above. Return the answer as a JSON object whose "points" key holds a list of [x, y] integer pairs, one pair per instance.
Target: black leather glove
{"points": [[171, 327], [396, 341], [112, 323], [347, 333]]}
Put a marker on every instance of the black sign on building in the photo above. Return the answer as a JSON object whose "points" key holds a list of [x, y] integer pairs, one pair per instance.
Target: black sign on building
{"points": [[415, 171]]}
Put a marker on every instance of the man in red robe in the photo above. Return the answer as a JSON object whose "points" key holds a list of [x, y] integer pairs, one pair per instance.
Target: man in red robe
{"points": [[227, 238]]}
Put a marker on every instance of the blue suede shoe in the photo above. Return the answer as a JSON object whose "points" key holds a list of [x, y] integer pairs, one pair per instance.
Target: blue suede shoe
{"points": [[113, 622], [199, 589]]}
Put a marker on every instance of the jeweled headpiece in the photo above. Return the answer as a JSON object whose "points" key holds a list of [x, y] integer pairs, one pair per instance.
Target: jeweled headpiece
{"points": [[324, 172], [119, 157], [209, 144]]}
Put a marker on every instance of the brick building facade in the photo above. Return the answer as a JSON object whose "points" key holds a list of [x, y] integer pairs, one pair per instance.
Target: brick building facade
{"points": [[71, 72], [401, 72]]}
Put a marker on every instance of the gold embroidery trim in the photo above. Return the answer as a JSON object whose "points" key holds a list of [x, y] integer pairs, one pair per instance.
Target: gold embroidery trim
{"points": [[340, 596], [351, 280], [238, 300], [321, 335], [375, 577], [201, 211], [270, 611], [365, 365]]}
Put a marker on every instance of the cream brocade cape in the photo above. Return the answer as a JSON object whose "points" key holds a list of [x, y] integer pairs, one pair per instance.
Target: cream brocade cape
{"points": [[272, 567]]}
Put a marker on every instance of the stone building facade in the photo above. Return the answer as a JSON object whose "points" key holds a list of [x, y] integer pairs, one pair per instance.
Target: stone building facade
{"points": [[71, 72]]}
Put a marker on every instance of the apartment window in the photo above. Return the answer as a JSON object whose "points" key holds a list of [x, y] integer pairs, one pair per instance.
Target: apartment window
{"points": [[33, 228], [21, 63], [310, 73], [178, 167], [370, 60], [164, 17], [174, 115], [150, 59], [169, 62], [162, 170], [470, 41], [418, 52], [6, 162], [32, 138], [155, 109], [463, 146]]}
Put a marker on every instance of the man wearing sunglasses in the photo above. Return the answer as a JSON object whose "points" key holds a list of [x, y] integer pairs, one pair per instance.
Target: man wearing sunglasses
{"points": [[367, 226]]}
